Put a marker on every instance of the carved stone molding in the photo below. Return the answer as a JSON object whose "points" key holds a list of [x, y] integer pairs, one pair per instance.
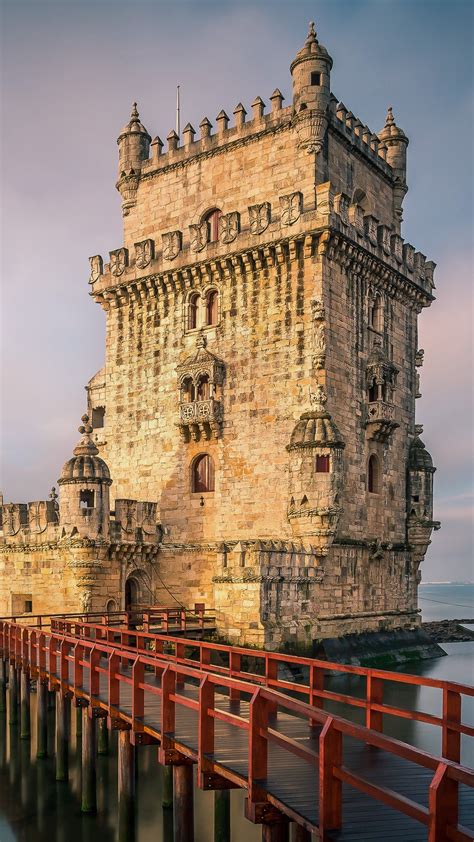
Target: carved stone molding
{"points": [[144, 253], [259, 217], [291, 208], [311, 129], [172, 244], [118, 261], [229, 226]]}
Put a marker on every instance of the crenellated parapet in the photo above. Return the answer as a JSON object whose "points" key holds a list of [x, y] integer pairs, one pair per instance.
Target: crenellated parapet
{"points": [[30, 523]]}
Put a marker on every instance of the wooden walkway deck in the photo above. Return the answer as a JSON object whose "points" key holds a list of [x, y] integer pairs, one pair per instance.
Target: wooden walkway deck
{"points": [[235, 730]]}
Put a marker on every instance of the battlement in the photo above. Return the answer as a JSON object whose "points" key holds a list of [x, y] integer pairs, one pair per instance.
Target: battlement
{"points": [[290, 220], [363, 140], [38, 523]]}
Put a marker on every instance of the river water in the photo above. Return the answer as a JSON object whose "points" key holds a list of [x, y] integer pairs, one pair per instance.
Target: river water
{"points": [[35, 808]]}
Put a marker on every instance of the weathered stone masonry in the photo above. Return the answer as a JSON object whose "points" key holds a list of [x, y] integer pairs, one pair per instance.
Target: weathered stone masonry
{"points": [[259, 384]]}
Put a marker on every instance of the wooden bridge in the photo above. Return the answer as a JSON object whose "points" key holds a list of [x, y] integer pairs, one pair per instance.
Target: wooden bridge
{"points": [[242, 717]]}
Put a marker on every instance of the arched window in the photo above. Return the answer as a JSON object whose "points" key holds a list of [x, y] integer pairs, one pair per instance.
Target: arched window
{"points": [[203, 474], [212, 219], [376, 314], [193, 307], [187, 391], [212, 302], [98, 416], [322, 464], [203, 388], [86, 500], [373, 478], [373, 392]]}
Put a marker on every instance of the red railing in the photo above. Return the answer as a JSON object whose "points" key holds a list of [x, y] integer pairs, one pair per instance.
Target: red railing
{"points": [[147, 616], [66, 661], [264, 670]]}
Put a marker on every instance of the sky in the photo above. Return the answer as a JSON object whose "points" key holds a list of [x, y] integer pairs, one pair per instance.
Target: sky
{"points": [[69, 73]]}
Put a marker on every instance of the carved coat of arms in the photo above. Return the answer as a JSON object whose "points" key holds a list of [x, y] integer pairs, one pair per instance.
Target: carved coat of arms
{"points": [[172, 242], [144, 253], [97, 268], [341, 206], [259, 216], [229, 224], [199, 235], [291, 207], [118, 261]]}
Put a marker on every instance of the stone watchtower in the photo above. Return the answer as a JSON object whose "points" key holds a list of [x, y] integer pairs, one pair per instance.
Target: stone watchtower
{"points": [[260, 375]]}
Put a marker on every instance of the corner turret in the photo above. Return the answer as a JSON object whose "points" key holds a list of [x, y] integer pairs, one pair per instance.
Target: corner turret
{"points": [[134, 147], [420, 521], [84, 507], [396, 142], [311, 73]]}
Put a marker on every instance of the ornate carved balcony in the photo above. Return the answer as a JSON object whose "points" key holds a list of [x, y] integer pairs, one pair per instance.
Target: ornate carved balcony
{"points": [[199, 419], [380, 420]]}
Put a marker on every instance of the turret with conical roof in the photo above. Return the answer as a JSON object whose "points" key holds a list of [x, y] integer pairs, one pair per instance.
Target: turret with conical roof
{"points": [[396, 142], [311, 73], [84, 506], [134, 148]]}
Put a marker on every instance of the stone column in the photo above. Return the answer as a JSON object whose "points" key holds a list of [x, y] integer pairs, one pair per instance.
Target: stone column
{"points": [[222, 815], [126, 787], [63, 713], [25, 730], [42, 719], [183, 803], [89, 740], [13, 692]]}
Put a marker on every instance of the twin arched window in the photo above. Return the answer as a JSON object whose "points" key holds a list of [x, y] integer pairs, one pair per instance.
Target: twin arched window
{"points": [[203, 314], [202, 474], [373, 475]]}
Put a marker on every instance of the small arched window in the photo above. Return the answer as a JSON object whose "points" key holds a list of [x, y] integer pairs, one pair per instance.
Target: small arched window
{"points": [[203, 477], [193, 309], [98, 416], [212, 219], [203, 388], [322, 464], [373, 392], [376, 315], [187, 390], [212, 302], [373, 478]]}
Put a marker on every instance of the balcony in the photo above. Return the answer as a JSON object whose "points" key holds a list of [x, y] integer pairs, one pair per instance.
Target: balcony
{"points": [[380, 421], [200, 419]]}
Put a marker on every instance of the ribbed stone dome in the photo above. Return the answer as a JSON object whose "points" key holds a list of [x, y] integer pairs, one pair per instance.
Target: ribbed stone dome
{"points": [[311, 49], [419, 459], [85, 465], [134, 124], [316, 429]]}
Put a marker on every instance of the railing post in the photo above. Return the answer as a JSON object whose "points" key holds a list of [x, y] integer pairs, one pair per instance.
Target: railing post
{"points": [[330, 787], [94, 680], [443, 804], [206, 730], [374, 718], [53, 660], [138, 694], [258, 747], [78, 667], [13, 693], [234, 668], [33, 652], [3, 683], [451, 740], [271, 675], [168, 687], [113, 681], [316, 686]]}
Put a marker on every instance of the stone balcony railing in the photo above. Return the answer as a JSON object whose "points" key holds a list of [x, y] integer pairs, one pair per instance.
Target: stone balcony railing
{"points": [[200, 418], [380, 420]]}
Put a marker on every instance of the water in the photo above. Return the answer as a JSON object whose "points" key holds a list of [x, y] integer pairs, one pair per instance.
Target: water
{"points": [[446, 601]]}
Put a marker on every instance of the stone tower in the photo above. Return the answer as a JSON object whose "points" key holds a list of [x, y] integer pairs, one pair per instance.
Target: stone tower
{"points": [[261, 375]]}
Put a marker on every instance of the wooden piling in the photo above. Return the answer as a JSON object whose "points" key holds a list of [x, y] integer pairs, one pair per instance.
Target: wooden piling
{"points": [[126, 787], [183, 803], [102, 736], [63, 710], [222, 815], [300, 834], [167, 796], [42, 720], [25, 728], [89, 797], [13, 692], [78, 722], [276, 831]]}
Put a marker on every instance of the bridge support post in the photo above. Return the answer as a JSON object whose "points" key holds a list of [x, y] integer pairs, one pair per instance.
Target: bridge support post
{"points": [[276, 831], [13, 690], [42, 719], [3, 685], [103, 736], [222, 815], [126, 786], [167, 772], [63, 712], [183, 803], [89, 739], [78, 722], [300, 834], [25, 730]]}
